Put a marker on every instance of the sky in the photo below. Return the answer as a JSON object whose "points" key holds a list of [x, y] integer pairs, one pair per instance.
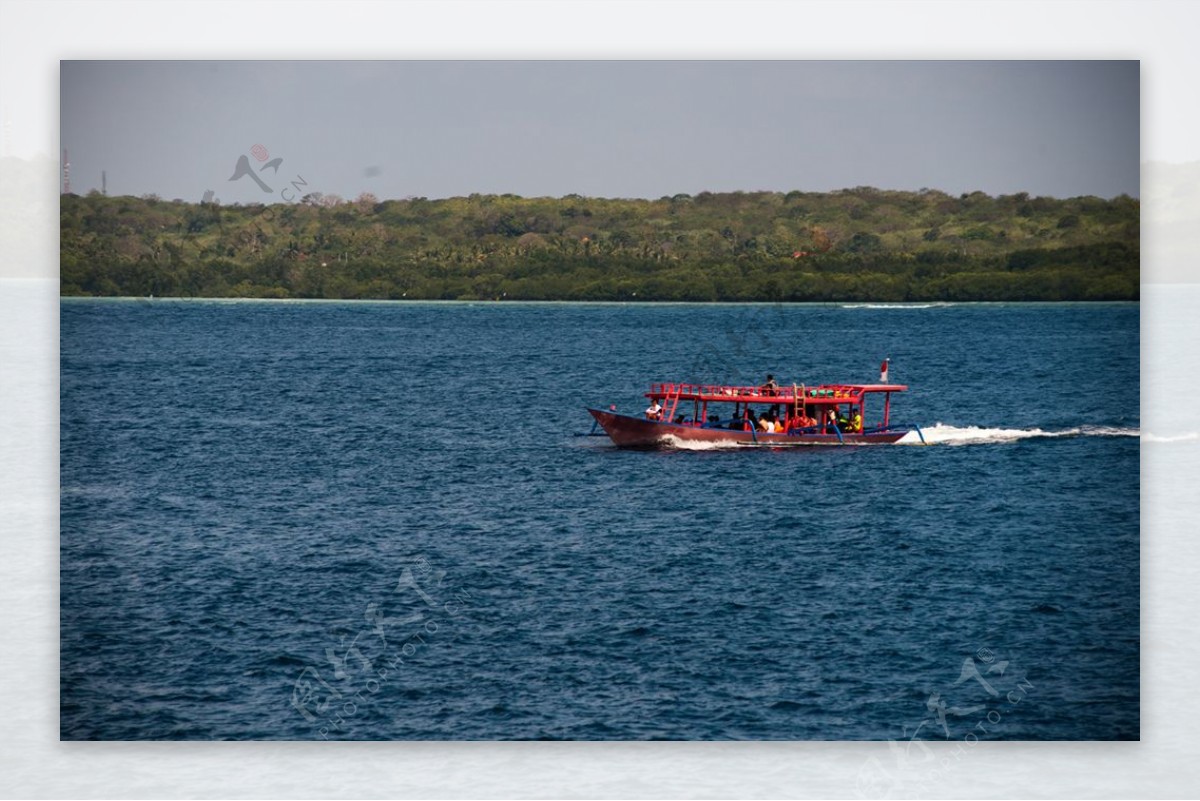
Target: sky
{"points": [[598, 128]]}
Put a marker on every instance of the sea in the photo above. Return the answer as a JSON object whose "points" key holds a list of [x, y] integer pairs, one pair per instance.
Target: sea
{"points": [[294, 520]]}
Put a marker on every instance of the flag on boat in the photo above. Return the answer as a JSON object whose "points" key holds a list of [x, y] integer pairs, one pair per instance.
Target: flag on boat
{"points": [[883, 371]]}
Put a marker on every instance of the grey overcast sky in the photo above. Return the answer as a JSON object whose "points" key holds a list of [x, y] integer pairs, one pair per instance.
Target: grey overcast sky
{"points": [[600, 128]]}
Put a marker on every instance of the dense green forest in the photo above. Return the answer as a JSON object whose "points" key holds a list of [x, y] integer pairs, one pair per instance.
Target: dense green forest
{"points": [[854, 244]]}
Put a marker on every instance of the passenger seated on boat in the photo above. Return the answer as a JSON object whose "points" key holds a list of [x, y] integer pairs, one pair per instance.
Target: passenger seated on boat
{"points": [[770, 387], [856, 422], [655, 412], [680, 419]]}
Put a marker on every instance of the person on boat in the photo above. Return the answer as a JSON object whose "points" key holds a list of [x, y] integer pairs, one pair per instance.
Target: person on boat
{"points": [[655, 412], [831, 419], [679, 419], [856, 422], [770, 387]]}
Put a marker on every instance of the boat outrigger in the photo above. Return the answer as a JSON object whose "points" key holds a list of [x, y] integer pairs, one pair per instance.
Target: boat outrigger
{"points": [[829, 414]]}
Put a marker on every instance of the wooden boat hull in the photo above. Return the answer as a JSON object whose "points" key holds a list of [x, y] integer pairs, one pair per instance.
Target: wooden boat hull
{"points": [[627, 431]]}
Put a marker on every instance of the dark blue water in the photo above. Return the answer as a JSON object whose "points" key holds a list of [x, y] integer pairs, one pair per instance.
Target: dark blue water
{"points": [[372, 521]]}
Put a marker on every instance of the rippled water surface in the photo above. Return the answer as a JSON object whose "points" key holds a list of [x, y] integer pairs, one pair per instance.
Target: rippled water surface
{"points": [[374, 521]]}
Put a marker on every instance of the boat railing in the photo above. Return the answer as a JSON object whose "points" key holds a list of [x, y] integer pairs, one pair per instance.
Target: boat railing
{"points": [[779, 395]]}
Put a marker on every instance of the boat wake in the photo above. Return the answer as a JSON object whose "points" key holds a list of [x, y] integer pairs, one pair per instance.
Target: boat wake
{"points": [[672, 441], [940, 434]]}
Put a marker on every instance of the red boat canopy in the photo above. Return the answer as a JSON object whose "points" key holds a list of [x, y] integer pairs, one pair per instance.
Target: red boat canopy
{"points": [[719, 393]]}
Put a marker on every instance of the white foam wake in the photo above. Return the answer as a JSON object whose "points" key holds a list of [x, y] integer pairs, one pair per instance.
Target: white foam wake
{"points": [[941, 434], [672, 441]]}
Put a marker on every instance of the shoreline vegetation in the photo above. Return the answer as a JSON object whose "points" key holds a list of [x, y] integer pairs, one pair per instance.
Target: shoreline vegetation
{"points": [[852, 245]]}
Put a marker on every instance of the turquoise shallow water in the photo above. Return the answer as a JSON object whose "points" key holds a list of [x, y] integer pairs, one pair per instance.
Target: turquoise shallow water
{"points": [[372, 521]]}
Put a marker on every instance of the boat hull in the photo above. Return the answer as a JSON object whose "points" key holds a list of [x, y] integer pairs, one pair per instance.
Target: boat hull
{"points": [[627, 431]]}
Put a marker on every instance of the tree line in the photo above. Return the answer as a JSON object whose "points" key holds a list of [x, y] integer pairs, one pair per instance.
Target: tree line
{"points": [[861, 244]]}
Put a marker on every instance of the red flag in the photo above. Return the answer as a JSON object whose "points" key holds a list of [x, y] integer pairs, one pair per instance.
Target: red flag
{"points": [[883, 371]]}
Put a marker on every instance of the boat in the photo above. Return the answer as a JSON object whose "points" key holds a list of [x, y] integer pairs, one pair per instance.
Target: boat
{"points": [[828, 414]]}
